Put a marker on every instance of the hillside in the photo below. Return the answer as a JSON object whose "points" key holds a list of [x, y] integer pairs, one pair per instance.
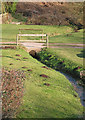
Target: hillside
{"points": [[50, 13]]}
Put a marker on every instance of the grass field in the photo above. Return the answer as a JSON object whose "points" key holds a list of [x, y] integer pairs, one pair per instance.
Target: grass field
{"points": [[40, 101], [57, 99], [76, 37], [57, 34], [9, 31]]}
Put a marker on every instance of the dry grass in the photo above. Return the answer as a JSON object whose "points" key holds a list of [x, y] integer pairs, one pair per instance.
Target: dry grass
{"points": [[12, 91]]}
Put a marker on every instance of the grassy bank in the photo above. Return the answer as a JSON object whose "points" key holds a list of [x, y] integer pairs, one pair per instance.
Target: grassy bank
{"points": [[69, 60], [47, 93], [9, 31], [73, 37], [57, 34]]}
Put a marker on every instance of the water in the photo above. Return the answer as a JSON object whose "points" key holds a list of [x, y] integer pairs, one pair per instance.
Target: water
{"points": [[79, 89]]}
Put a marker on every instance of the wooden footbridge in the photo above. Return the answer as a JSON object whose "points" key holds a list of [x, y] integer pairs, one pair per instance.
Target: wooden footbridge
{"points": [[32, 44]]}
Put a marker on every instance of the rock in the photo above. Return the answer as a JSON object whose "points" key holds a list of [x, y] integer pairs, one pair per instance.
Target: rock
{"points": [[75, 95], [47, 84], [18, 59], [18, 55], [45, 76], [61, 62], [25, 58], [82, 74], [76, 68], [29, 70], [11, 64], [45, 67], [69, 34], [33, 53], [75, 30], [24, 67]]}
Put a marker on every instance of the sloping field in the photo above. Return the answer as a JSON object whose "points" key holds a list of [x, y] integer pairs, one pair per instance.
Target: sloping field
{"points": [[47, 93]]}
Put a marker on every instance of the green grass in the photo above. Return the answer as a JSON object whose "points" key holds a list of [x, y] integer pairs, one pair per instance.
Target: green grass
{"points": [[9, 31], [40, 101], [70, 38], [57, 34], [71, 54], [67, 60]]}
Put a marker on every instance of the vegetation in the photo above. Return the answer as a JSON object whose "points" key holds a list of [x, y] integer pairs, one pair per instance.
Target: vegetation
{"points": [[12, 91], [47, 93], [9, 7], [46, 13], [31, 89], [62, 34], [69, 60], [49, 13], [72, 37], [9, 31]]}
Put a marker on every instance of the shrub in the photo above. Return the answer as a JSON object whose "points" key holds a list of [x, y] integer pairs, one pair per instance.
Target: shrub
{"points": [[10, 7], [58, 63]]}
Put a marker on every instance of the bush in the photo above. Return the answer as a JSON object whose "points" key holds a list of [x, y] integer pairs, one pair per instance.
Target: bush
{"points": [[19, 17], [12, 91], [10, 7], [60, 64]]}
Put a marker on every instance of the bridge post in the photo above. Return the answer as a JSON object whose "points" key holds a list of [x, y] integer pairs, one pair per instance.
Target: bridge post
{"points": [[47, 41], [17, 39]]}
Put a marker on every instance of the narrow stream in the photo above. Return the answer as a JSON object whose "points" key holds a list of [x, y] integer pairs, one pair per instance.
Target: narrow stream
{"points": [[79, 89]]}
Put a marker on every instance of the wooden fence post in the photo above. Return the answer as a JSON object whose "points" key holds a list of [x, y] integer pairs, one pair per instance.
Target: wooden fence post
{"points": [[47, 41], [17, 39]]}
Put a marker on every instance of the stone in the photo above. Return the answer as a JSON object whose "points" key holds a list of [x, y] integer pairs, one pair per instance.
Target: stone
{"points": [[82, 74], [76, 68], [45, 67], [11, 64], [29, 70], [18, 59], [24, 67], [61, 62], [45, 76], [47, 84], [18, 55], [33, 53], [75, 95], [25, 58]]}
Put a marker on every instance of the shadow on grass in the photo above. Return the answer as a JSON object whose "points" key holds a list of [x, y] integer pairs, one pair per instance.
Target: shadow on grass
{"points": [[82, 54], [9, 56]]}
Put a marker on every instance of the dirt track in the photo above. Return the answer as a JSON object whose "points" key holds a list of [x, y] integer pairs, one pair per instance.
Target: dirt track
{"points": [[38, 46]]}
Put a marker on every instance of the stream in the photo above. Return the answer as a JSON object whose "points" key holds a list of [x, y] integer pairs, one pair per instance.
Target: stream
{"points": [[79, 89]]}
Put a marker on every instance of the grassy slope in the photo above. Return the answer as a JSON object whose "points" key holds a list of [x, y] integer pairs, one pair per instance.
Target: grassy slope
{"points": [[68, 53], [9, 31], [71, 38], [40, 101]]}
